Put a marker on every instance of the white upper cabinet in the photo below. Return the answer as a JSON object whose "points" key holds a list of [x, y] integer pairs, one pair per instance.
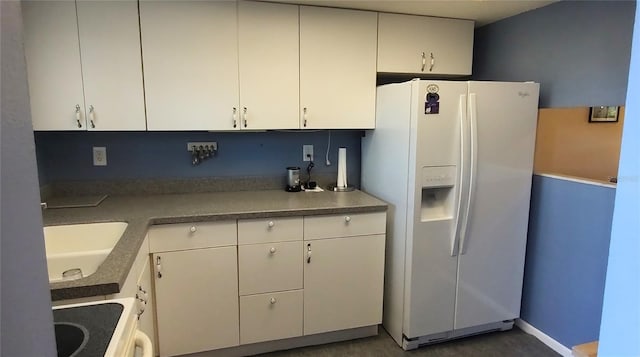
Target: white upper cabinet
{"points": [[111, 65], [424, 45], [106, 36], [337, 68], [269, 65], [190, 56], [53, 65]]}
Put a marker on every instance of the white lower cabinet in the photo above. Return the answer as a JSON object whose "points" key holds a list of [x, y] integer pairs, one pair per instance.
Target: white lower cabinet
{"points": [[270, 276], [195, 269], [228, 283], [343, 283], [269, 267], [270, 316], [197, 300]]}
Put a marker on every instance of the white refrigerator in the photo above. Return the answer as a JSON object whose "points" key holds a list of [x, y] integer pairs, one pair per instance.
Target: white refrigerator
{"points": [[454, 160]]}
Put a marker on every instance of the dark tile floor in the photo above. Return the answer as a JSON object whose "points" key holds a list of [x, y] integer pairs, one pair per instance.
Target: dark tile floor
{"points": [[498, 344]]}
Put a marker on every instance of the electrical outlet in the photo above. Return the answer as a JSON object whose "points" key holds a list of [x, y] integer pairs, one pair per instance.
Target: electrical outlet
{"points": [[99, 156], [307, 152]]}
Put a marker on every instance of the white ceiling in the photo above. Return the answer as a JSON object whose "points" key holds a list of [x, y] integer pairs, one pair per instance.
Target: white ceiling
{"points": [[482, 11]]}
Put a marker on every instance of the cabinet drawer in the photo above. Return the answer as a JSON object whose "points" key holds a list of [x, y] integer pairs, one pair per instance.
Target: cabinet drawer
{"points": [[252, 231], [170, 237], [331, 226], [272, 316], [270, 267]]}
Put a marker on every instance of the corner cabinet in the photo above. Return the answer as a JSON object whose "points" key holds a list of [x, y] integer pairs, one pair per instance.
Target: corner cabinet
{"points": [[337, 68], [196, 286], [424, 45], [190, 55], [91, 50]]}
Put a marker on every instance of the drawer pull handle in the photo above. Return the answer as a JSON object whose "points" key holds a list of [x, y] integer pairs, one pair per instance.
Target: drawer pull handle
{"points": [[92, 116], [272, 250], [235, 121], [309, 253], [159, 267], [193, 229], [271, 224], [272, 300], [244, 116], [347, 219], [304, 117], [78, 114]]}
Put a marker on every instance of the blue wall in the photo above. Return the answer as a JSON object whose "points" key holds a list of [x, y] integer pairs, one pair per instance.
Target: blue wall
{"points": [[620, 330], [68, 155], [577, 50], [566, 262]]}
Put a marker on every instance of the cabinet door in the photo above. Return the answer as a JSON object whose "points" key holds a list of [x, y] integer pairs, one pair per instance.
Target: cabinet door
{"points": [[190, 56], [53, 65], [196, 300], [407, 43], [337, 68], [269, 65], [111, 65], [343, 283]]}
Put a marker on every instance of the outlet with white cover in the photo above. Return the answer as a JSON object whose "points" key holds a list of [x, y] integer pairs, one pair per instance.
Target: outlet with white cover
{"points": [[307, 152], [99, 156]]}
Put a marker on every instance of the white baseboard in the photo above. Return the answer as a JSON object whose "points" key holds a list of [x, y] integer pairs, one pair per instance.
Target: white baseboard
{"points": [[553, 344]]}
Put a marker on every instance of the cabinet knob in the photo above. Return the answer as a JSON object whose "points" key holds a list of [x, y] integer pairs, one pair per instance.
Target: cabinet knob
{"points": [[271, 224], [272, 250], [193, 229], [272, 300], [347, 219]]}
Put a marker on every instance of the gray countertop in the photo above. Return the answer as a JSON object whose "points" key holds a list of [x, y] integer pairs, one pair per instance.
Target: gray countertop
{"points": [[142, 211]]}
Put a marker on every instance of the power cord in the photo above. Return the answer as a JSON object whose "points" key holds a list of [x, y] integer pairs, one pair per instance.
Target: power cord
{"points": [[309, 167], [327, 162]]}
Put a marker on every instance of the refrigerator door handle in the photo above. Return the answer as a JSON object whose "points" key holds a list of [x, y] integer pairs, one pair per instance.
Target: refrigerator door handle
{"points": [[473, 139], [462, 114]]}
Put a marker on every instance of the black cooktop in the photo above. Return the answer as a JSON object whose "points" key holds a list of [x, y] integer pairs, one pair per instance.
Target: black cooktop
{"points": [[99, 320]]}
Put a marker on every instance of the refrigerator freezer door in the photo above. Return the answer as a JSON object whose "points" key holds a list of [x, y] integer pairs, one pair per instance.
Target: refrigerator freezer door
{"points": [[491, 260]]}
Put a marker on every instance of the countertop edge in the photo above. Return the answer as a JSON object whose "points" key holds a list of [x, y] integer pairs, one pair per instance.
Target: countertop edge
{"points": [[105, 282]]}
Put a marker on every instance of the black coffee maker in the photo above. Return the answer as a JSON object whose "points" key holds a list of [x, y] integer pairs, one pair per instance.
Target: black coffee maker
{"points": [[293, 179]]}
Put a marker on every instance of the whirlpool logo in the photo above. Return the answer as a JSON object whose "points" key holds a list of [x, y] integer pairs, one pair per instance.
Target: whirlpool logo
{"points": [[523, 94]]}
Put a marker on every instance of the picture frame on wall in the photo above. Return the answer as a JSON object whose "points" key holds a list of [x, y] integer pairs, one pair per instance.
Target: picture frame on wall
{"points": [[603, 114]]}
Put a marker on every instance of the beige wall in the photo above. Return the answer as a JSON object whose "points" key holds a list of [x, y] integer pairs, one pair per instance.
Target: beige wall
{"points": [[567, 144]]}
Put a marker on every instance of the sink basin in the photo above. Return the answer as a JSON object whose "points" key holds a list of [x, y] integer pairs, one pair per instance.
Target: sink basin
{"points": [[77, 250], [70, 338]]}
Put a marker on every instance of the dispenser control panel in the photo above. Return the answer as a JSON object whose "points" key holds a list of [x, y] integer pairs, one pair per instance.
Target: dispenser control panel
{"points": [[438, 176]]}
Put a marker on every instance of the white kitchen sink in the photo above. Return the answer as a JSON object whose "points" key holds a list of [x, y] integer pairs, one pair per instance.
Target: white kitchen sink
{"points": [[79, 246]]}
